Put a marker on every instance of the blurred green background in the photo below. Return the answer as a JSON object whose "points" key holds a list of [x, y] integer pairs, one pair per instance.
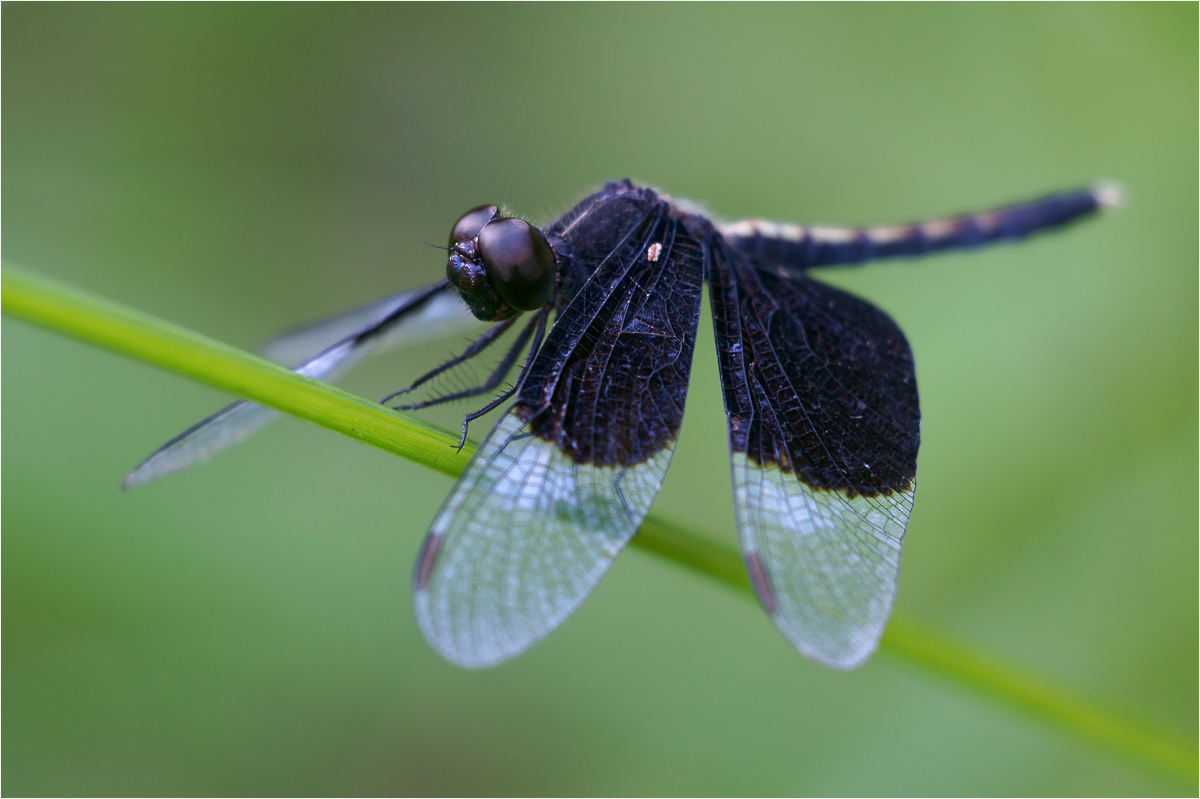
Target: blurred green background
{"points": [[246, 628]]}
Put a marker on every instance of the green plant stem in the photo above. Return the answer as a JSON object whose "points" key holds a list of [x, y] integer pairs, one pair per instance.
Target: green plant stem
{"points": [[930, 650], [96, 321], [102, 323]]}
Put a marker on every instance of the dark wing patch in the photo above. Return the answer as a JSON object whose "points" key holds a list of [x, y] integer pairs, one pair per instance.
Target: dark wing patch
{"points": [[838, 373], [563, 481], [609, 385], [824, 427]]}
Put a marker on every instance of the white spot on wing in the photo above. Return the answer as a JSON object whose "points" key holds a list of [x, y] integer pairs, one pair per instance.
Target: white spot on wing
{"points": [[654, 251]]}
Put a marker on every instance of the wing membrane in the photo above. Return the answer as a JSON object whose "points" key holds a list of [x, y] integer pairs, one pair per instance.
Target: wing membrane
{"points": [[563, 481], [824, 428], [408, 317], [823, 564], [437, 316], [523, 539]]}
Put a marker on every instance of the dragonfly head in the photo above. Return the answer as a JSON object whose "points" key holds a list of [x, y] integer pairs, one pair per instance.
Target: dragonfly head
{"points": [[501, 266]]}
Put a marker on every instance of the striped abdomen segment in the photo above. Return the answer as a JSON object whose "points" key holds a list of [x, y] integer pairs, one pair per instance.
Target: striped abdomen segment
{"points": [[804, 246]]}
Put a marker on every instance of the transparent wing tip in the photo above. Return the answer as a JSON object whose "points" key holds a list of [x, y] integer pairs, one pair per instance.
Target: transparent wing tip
{"points": [[140, 476], [465, 653], [842, 655], [200, 442], [160, 464]]}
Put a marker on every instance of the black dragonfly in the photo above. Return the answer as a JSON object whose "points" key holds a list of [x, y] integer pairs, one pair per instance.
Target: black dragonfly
{"points": [[819, 389]]}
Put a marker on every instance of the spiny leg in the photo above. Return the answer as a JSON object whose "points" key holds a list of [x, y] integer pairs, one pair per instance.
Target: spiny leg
{"points": [[540, 320], [477, 346]]}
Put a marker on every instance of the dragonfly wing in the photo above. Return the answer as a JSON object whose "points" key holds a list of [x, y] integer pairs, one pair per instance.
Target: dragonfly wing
{"points": [[523, 539], [563, 481], [823, 564], [440, 315], [821, 397], [404, 317]]}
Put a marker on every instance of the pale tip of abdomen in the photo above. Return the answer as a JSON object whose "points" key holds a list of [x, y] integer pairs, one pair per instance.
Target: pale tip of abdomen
{"points": [[1109, 195]]}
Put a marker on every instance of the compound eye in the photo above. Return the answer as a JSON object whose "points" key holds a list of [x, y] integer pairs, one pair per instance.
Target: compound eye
{"points": [[519, 262], [470, 223]]}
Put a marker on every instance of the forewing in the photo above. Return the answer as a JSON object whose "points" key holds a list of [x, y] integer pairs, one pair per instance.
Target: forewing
{"points": [[563, 481], [824, 428], [410, 316], [523, 539], [431, 317]]}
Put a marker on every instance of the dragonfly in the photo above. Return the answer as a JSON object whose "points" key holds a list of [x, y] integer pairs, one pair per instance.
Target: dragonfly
{"points": [[819, 390]]}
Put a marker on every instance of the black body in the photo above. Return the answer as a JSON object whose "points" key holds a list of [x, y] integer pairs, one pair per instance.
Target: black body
{"points": [[819, 387]]}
